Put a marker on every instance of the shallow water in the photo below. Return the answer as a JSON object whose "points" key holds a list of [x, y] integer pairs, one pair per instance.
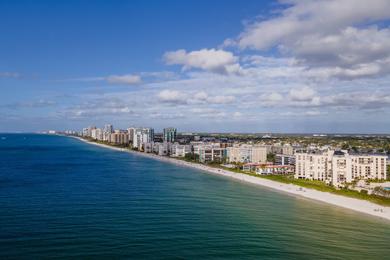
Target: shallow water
{"points": [[60, 197]]}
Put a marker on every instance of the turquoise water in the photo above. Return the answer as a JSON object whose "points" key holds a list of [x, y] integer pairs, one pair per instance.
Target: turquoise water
{"points": [[60, 197]]}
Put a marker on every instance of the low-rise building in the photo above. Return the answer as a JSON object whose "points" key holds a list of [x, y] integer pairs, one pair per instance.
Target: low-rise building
{"points": [[274, 169]]}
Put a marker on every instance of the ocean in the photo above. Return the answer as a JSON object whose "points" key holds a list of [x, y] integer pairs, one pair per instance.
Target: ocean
{"points": [[63, 198]]}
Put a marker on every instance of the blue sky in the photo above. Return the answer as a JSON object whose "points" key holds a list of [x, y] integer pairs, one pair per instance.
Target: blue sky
{"points": [[243, 66]]}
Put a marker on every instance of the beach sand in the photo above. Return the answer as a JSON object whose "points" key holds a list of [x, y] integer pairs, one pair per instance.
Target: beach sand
{"points": [[362, 206]]}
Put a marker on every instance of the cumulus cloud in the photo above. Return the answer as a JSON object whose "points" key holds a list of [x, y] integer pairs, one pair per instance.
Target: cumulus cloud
{"points": [[172, 96], [99, 107], [124, 79], [312, 58], [270, 99], [178, 97], [330, 34], [221, 99], [302, 94], [214, 60]]}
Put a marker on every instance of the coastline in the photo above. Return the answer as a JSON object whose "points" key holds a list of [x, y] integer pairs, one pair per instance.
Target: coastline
{"points": [[356, 205]]}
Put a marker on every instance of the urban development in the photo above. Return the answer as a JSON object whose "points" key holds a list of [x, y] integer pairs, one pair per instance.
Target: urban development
{"points": [[355, 166]]}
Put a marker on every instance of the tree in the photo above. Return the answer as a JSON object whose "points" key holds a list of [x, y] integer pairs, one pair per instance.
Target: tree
{"points": [[271, 157]]}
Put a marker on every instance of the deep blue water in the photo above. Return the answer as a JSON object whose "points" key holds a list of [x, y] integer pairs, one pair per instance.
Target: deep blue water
{"points": [[60, 197]]}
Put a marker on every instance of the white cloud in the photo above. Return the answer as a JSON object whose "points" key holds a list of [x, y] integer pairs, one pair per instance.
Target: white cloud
{"points": [[313, 113], [331, 61], [218, 61], [302, 94], [99, 107], [237, 114], [202, 96], [221, 99], [329, 34], [179, 97], [302, 18], [270, 99], [124, 79], [172, 96]]}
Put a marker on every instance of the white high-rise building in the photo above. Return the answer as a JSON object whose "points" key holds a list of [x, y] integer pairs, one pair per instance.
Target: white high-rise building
{"points": [[88, 131], [338, 167], [107, 131], [130, 131], [141, 136]]}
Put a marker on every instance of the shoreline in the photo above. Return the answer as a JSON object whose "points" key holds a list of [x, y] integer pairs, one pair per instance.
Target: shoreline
{"points": [[356, 205]]}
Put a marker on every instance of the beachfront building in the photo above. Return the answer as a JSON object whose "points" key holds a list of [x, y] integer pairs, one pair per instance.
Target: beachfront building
{"points": [[87, 132], [180, 150], [149, 147], [283, 159], [158, 148], [119, 137], [169, 134], [246, 154], [84, 132], [130, 131], [107, 131], [339, 167], [141, 136], [274, 169], [212, 152], [97, 134]]}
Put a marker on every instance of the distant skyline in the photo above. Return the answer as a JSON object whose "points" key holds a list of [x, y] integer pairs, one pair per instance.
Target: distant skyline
{"points": [[200, 66]]}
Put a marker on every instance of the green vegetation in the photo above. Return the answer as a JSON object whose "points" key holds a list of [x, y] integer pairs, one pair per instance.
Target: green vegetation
{"points": [[191, 157], [321, 186], [271, 157]]}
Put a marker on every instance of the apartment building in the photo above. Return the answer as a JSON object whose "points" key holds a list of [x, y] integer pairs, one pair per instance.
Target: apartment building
{"points": [[119, 137], [210, 153], [141, 136], [281, 149], [180, 150], [338, 167], [169, 134], [283, 159], [247, 154]]}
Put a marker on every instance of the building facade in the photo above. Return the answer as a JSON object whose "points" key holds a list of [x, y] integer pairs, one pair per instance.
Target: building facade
{"points": [[119, 137], [141, 136], [211, 153], [169, 134], [283, 159], [247, 154], [338, 167]]}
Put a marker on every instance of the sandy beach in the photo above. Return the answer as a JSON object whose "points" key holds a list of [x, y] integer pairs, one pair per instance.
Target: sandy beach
{"points": [[337, 200]]}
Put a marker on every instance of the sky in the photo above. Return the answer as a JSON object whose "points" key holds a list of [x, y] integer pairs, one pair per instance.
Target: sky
{"points": [[307, 66]]}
